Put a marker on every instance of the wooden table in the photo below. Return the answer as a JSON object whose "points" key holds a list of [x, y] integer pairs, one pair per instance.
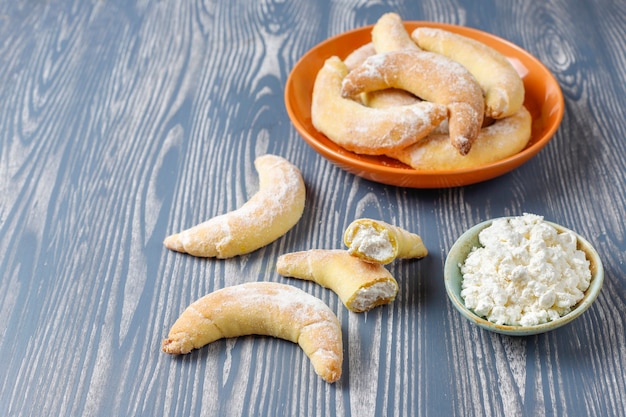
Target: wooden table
{"points": [[122, 122]]}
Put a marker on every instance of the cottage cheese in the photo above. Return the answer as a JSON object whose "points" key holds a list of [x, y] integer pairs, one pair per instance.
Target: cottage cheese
{"points": [[372, 243], [526, 272]]}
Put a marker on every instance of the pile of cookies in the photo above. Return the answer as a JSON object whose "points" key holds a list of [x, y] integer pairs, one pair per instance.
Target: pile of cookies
{"points": [[356, 275], [433, 99]]}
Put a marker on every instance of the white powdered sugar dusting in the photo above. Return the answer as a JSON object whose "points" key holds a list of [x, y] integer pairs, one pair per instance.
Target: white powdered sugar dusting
{"points": [[303, 308], [280, 192]]}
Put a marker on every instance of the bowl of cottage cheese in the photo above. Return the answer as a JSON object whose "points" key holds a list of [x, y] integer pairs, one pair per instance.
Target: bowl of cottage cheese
{"points": [[522, 275]]}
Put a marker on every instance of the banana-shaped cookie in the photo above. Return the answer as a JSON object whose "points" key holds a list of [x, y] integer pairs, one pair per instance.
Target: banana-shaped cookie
{"points": [[380, 242], [431, 77], [269, 214], [360, 285], [503, 87], [505, 137], [389, 34], [362, 129], [263, 308]]}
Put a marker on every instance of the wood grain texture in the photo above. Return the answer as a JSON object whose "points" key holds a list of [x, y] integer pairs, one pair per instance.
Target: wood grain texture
{"points": [[122, 122]]}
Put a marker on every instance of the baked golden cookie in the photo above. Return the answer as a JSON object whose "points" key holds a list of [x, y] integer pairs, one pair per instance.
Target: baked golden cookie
{"points": [[503, 87], [363, 129], [380, 242], [389, 34], [431, 77], [269, 214], [505, 137], [360, 285], [262, 308]]}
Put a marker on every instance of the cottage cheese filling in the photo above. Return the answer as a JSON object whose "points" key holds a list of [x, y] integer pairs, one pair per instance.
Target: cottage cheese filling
{"points": [[525, 272], [372, 243], [379, 292]]}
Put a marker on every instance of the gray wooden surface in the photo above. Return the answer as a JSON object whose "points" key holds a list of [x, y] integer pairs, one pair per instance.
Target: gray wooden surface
{"points": [[124, 121]]}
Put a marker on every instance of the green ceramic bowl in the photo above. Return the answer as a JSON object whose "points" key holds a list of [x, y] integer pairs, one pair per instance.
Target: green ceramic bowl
{"points": [[453, 278]]}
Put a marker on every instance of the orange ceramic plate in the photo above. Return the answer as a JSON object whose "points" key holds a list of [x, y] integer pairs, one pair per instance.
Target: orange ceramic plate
{"points": [[543, 99]]}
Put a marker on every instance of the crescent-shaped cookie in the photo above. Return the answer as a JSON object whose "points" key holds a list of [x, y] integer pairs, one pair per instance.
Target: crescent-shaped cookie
{"points": [[503, 87], [362, 129], [360, 285], [389, 34], [505, 137], [262, 308], [380, 242], [431, 77], [267, 215]]}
